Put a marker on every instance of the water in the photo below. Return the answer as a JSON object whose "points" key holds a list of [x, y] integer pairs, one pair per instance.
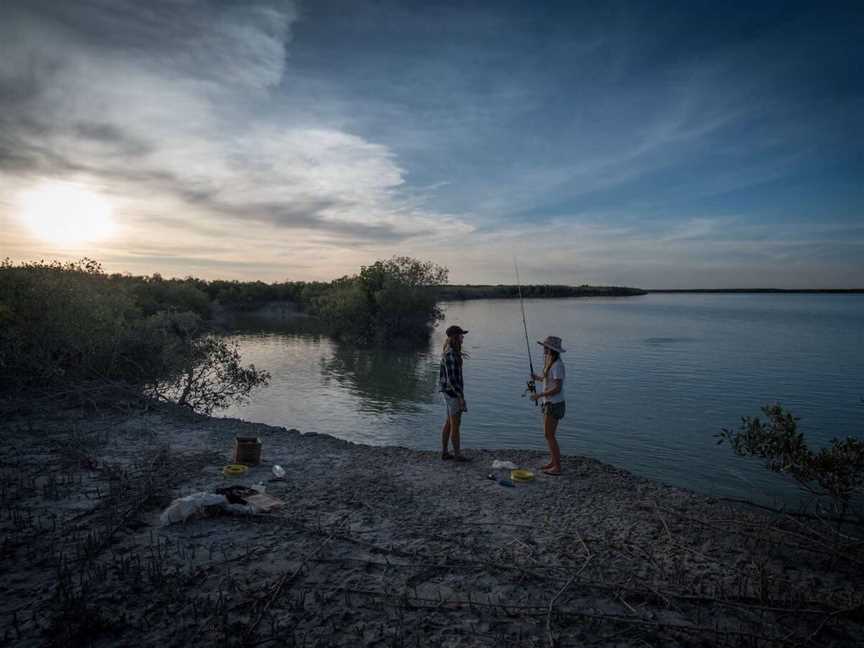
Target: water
{"points": [[650, 381]]}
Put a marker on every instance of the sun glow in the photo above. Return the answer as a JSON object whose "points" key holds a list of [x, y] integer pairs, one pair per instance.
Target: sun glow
{"points": [[66, 213]]}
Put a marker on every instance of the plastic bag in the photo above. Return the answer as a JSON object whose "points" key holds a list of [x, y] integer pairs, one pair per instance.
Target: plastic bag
{"points": [[201, 504], [501, 465]]}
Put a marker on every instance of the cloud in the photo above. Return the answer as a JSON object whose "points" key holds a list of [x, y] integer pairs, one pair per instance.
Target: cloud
{"points": [[599, 143], [174, 108]]}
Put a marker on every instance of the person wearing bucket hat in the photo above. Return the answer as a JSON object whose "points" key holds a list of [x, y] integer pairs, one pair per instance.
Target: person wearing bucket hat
{"points": [[451, 386], [552, 398]]}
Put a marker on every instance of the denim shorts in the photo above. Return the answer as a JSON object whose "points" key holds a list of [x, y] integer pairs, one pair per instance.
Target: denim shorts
{"points": [[555, 410], [451, 405]]}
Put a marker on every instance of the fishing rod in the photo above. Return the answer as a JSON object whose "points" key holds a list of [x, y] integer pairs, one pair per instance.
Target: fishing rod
{"points": [[531, 386]]}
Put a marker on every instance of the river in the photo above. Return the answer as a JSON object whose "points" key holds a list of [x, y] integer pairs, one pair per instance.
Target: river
{"points": [[650, 381]]}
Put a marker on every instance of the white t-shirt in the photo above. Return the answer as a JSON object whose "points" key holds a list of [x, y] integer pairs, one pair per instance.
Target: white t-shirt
{"points": [[556, 372]]}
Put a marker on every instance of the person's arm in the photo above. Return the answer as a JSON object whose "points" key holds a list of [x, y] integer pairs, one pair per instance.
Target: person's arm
{"points": [[553, 383], [554, 387]]}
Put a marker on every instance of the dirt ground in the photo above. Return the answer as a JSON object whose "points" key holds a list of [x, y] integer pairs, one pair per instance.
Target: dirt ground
{"points": [[391, 547]]}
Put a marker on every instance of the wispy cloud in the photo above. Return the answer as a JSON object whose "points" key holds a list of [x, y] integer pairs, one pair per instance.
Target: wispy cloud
{"points": [[604, 146], [175, 108]]}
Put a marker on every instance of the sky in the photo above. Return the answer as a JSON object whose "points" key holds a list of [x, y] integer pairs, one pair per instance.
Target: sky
{"points": [[658, 145]]}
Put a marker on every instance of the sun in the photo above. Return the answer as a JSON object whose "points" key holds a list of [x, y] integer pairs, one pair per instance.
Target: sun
{"points": [[66, 213]]}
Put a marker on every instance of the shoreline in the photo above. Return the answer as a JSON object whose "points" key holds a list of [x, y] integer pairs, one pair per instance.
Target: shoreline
{"points": [[380, 545]]}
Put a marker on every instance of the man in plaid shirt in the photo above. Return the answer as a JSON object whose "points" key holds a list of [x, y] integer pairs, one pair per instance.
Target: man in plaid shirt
{"points": [[452, 388]]}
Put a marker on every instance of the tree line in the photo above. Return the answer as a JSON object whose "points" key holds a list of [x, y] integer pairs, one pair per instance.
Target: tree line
{"points": [[70, 332]]}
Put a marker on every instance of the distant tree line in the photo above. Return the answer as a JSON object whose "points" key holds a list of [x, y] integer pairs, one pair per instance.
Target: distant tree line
{"points": [[155, 293], [315, 297], [545, 291]]}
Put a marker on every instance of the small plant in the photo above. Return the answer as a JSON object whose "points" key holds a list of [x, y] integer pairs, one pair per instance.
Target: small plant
{"points": [[836, 471]]}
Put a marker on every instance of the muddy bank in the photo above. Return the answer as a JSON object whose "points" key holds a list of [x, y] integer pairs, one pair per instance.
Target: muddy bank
{"points": [[391, 547]]}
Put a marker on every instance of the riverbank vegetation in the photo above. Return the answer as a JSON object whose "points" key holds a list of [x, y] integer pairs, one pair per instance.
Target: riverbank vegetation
{"points": [[386, 301], [69, 333], [834, 474], [73, 331], [389, 299]]}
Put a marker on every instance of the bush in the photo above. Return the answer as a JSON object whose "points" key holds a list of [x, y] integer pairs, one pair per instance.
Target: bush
{"points": [[836, 471], [347, 310], [63, 324], [210, 378], [154, 294], [68, 331], [388, 300]]}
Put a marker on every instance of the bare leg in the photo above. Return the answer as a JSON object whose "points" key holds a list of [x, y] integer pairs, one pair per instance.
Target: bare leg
{"points": [[550, 426], [445, 439], [455, 424]]}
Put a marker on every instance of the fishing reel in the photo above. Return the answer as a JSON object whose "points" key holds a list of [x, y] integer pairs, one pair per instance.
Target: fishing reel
{"points": [[530, 388]]}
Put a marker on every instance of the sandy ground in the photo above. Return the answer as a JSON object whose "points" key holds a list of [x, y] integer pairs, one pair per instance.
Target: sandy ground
{"points": [[391, 547]]}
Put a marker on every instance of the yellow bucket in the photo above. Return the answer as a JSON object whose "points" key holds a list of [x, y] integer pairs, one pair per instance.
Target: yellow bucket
{"points": [[521, 475], [234, 470]]}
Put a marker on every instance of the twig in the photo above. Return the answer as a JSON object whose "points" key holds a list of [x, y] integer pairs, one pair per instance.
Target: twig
{"points": [[549, 635], [582, 542], [831, 616], [668, 533], [286, 578], [817, 547]]}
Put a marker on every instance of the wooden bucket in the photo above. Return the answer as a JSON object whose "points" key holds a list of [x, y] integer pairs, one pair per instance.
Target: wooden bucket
{"points": [[247, 451]]}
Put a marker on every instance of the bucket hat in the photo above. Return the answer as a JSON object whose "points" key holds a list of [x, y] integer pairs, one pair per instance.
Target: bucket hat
{"points": [[552, 342]]}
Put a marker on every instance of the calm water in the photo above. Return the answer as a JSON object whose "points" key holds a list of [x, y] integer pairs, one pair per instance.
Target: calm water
{"points": [[650, 381]]}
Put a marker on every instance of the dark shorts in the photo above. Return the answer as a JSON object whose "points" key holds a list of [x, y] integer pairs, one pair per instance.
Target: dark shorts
{"points": [[555, 410]]}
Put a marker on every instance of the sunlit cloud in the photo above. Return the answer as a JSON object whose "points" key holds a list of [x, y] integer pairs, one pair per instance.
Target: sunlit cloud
{"points": [[169, 122], [273, 139]]}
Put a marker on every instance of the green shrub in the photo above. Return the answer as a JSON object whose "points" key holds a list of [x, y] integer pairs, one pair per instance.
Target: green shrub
{"points": [[347, 310], [154, 294], [68, 331], [63, 323], [836, 471], [388, 300]]}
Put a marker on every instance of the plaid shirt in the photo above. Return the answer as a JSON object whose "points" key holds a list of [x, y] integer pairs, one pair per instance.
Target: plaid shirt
{"points": [[450, 374]]}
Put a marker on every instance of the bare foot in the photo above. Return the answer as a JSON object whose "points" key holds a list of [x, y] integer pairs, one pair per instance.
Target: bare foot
{"points": [[546, 466], [553, 471]]}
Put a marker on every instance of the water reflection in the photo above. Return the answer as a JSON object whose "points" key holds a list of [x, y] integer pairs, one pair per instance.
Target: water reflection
{"points": [[396, 380]]}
